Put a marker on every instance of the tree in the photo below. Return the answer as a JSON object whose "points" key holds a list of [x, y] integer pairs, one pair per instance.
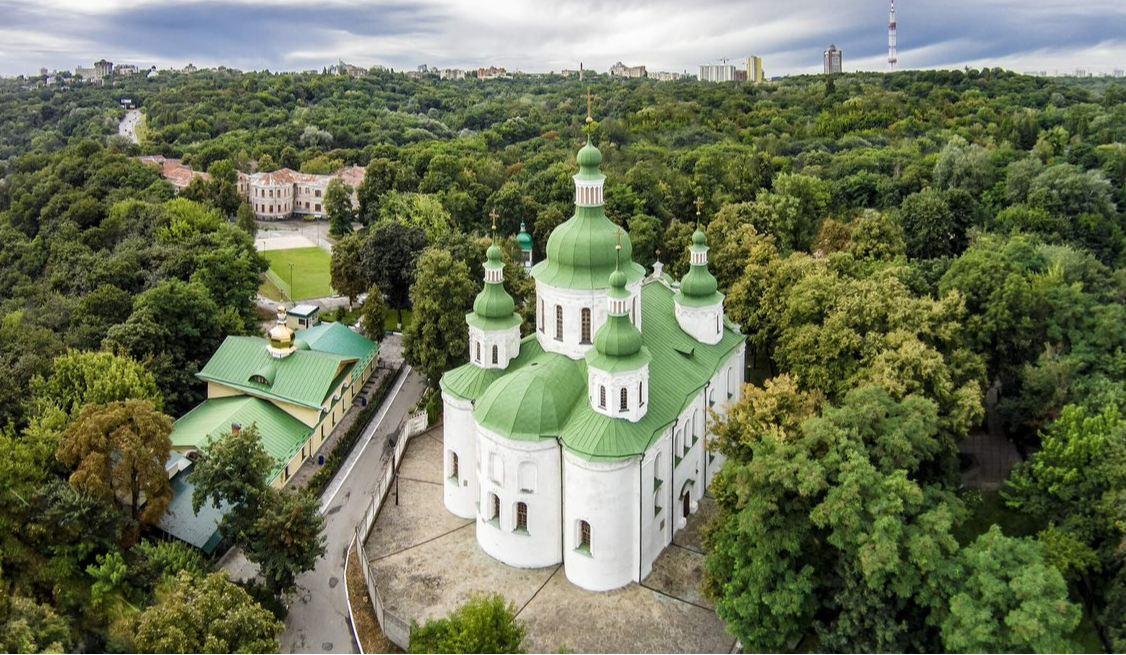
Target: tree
{"points": [[28, 627], [338, 205], [233, 470], [484, 624], [348, 274], [79, 378], [929, 226], [876, 237], [224, 186], [278, 529], [436, 340], [379, 178], [244, 219], [174, 329], [286, 537], [1008, 600], [389, 255], [822, 525], [963, 166], [374, 313], [119, 450], [209, 615], [416, 210]]}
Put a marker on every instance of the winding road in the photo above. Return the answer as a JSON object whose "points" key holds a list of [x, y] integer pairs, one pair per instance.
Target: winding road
{"points": [[128, 126]]}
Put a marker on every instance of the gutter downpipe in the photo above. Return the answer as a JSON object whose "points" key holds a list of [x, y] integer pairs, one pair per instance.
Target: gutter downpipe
{"points": [[672, 477], [640, 514], [704, 448], [562, 494]]}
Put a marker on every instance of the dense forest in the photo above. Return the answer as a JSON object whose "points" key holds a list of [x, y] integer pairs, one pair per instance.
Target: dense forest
{"points": [[914, 257]]}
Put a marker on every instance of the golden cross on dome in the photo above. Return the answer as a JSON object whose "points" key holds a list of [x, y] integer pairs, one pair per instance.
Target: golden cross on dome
{"points": [[619, 237], [493, 215], [699, 204], [589, 100]]}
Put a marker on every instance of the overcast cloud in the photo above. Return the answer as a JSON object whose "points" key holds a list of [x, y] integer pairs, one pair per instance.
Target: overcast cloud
{"points": [[545, 35]]}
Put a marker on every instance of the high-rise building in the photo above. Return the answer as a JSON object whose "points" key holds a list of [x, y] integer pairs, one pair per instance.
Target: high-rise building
{"points": [[834, 60], [754, 70], [717, 73]]}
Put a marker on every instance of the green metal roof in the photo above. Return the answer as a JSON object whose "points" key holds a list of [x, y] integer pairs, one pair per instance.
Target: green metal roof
{"points": [[494, 302], [281, 434], [581, 255], [525, 401], [200, 530], [339, 339], [699, 287], [303, 378], [581, 252], [523, 239], [535, 400]]}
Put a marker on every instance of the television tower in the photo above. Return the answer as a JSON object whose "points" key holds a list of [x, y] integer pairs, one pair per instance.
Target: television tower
{"points": [[893, 61]]}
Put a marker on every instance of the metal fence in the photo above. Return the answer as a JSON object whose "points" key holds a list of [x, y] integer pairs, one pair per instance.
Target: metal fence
{"points": [[395, 628]]}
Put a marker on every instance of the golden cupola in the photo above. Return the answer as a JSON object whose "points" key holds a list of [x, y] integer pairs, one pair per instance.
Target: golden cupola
{"points": [[281, 337]]}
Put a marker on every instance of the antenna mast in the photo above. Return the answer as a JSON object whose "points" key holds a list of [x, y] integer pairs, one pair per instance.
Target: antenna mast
{"points": [[893, 61]]}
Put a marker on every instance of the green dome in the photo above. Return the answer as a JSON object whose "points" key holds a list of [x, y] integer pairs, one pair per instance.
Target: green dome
{"points": [[618, 284], [534, 401], [589, 156], [493, 302], [524, 240], [699, 238], [494, 254], [581, 255], [618, 337], [699, 283]]}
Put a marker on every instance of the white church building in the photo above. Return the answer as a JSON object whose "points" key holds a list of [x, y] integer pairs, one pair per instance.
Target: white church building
{"points": [[585, 442]]}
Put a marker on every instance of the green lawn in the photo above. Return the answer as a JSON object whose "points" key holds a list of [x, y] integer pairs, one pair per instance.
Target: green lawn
{"points": [[311, 278]]}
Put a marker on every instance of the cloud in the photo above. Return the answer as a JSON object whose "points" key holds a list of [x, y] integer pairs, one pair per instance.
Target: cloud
{"points": [[554, 34]]}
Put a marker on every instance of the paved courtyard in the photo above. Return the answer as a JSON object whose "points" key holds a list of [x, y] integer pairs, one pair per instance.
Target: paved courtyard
{"points": [[427, 562]]}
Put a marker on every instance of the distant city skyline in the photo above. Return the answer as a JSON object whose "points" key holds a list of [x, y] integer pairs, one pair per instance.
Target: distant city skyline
{"points": [[552, 35]]}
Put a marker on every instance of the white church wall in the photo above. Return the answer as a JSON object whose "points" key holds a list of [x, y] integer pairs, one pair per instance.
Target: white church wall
{"points": [[459, 439], [572, 302], [481, 343], [704, 324], [656, 492], [514, 472], [605, 496]]}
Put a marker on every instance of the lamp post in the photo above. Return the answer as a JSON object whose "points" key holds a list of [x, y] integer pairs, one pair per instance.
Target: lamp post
{"points": [[291, 282]]}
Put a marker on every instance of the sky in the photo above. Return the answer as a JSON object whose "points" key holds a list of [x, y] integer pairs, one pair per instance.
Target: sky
{"points": [[551, 35]]}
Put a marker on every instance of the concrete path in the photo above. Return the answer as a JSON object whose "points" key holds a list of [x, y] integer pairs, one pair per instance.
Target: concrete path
{"points": [[128, 126], [318, 611]]}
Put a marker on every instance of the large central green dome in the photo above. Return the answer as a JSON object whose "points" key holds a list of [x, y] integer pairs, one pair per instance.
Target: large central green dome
{"points": [[581, 252]]}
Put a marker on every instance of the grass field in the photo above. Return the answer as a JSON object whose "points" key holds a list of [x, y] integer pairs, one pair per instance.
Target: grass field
{"points": [[311, 277]]}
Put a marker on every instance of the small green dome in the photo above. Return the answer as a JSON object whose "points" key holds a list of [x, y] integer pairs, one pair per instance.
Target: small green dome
{"points": [[494, 254], [618, 280], [589, 156], [699, 283], [699, 238], [493, 302], [523, 239], [618, 337]]}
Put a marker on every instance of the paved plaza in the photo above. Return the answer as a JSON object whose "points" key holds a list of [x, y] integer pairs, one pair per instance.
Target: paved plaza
{"points": [[427, 562]]}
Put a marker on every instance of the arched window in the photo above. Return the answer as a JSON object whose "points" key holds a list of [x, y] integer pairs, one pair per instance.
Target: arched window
{"points": [[633, 312], [558, 323], [542, 328], [586, 325], [494, 510], [453, 466], [602, 397], [494, 354], [477, 354], [717, 323], [522, 516], [623, 400], [584, 536]]}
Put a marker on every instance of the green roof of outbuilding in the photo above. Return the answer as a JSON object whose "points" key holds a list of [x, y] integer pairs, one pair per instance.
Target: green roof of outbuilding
{"points": [[305, 377], [339, 339], [581, 254], [522, 402], [200, 530], [280, 433]]}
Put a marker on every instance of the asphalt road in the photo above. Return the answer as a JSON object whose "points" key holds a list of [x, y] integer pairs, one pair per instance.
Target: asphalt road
{"points": [[318, 611], [128, 126]]}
